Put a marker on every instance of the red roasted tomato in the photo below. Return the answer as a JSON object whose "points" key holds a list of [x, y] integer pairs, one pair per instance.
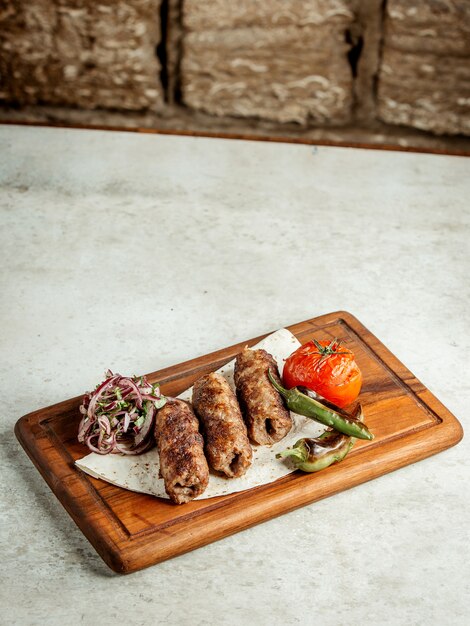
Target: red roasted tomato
{"points": [[327, 368]]}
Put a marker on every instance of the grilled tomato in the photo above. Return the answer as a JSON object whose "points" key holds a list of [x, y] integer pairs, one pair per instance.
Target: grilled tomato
{"points": [[327, 368]]}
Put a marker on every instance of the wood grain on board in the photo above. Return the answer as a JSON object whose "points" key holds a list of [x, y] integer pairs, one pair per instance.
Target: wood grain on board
{"points": [[131, 531]]}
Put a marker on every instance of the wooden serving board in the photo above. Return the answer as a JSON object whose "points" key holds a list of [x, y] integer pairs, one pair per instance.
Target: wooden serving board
{"points": [[131, 531]]}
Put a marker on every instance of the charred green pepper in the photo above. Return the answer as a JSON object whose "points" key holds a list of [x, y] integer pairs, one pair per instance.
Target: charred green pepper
{"points": [[312, 455], [324, 412]]}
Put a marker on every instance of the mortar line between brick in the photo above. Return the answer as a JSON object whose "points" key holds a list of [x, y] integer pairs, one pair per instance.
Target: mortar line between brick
{"points": [[161, 49], [177, 89], [375, 83]]}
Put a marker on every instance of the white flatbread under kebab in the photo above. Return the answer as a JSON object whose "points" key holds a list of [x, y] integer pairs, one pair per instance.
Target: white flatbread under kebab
{"points": [[140, 473]]}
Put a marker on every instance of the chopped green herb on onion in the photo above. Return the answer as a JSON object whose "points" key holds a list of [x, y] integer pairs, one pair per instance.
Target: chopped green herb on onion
{"points": [[119, 415]]}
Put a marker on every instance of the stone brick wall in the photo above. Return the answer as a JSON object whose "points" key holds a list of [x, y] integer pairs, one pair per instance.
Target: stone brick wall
{"points": [[424, 76], [282, 60], [80, 53], [290, 63]]}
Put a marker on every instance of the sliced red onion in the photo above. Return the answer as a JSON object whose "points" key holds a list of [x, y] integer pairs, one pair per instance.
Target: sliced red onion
{"points": [[118, 417], [146, 428], [123, 449]]}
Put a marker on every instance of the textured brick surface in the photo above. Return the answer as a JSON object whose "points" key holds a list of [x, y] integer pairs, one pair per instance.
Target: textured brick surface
{"points": [[81, 53], [278, 60], [222, 15], [265, 62], [424, 78]]}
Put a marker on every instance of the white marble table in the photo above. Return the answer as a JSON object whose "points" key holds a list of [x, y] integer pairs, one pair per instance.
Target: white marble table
{"points": [[139, 251]]}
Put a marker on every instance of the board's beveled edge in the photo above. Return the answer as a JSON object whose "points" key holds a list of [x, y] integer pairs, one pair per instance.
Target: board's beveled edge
{"points": [[207, 529], [123, 555], [447, 420], [393, 362]]}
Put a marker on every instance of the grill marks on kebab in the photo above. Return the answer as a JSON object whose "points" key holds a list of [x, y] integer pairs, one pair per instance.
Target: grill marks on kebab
{"points": [[227, 446], [120, 416], [266, 417], [122, 413], [183, 465]]}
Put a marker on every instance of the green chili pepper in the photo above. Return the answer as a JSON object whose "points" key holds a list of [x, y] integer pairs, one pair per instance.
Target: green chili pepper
{"points": [[312, 455], [326, 414]]}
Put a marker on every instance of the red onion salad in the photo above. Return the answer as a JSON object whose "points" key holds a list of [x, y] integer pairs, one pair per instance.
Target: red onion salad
{"points": [[119, 415]]}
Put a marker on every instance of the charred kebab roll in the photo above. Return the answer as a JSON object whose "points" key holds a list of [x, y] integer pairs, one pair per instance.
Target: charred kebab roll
{"points": [[227, 448], [266, 417], [183, 465]]}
